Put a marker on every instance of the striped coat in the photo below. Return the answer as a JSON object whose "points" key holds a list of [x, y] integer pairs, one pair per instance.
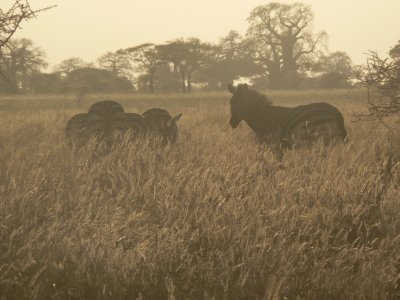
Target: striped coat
{"points": [[161, 124], [76, 131], [107, 122], [103, 121], [106, 118], [136, 125], [285, 126]]}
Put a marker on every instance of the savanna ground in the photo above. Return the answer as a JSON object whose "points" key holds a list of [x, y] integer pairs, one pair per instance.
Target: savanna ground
{"points": [[214, 217]]}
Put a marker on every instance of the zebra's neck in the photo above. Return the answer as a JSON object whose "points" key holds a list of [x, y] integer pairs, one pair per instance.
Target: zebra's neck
{"points": [[260, 116]]}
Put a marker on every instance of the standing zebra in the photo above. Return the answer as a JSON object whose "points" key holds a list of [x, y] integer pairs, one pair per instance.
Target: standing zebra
{"points": [[162, 124], [285, 127]]}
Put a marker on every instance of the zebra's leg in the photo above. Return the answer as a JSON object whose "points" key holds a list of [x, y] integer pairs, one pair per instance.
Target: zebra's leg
{"points": [[274, 144]]}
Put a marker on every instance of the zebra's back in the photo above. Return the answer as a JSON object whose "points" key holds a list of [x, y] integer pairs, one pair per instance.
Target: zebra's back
{"points": [[136, 124], [106, 118], [156, 117], [313, 111], [307, 123]]}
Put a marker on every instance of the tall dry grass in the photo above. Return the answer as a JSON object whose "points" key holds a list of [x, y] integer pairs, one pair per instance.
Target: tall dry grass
{"points": [[214, 217]]}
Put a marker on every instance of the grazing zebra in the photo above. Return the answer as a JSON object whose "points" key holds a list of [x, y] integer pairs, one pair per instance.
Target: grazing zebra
{"points": [[285, 127], [104, 120], [136, 124], [76, 129], [161, 124]]}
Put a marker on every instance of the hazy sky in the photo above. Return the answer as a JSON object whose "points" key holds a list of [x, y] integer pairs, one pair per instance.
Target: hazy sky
{"points": [[89, 28]]}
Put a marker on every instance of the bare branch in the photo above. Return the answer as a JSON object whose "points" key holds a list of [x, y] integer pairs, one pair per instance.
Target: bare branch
{"points": [[381, 77], [11, 19]]}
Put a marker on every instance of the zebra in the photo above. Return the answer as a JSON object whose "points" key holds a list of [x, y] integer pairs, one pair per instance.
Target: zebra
{"points": [[136, 125], [104, 121], [76, 129], [285, 127], [106, 118], [160, 123], [107, 121]]}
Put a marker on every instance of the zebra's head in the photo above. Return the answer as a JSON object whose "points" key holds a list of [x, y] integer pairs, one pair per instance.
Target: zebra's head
{"points": [[171, 130], [161, 123], [239, 103]]}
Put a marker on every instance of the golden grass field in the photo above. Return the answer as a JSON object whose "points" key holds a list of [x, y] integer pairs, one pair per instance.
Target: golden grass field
{"points": [[214, 217]]}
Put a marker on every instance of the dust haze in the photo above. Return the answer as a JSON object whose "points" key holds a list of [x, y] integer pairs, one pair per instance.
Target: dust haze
{"points": [[199, 150]]}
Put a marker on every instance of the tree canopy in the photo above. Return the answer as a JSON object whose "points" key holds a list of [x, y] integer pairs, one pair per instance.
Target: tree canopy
{"points": [[281, 36]]}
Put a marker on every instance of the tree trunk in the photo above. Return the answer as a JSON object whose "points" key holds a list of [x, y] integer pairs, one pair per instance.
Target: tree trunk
{"points": [[10, 87], [183, 81], [151, 83], [289, 64], [189, 84], [275, 75], [176, 80], [114, 70], [11, 77]]}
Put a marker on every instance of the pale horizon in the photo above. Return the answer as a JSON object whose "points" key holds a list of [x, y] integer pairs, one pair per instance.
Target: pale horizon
{"points": [[90, 29]]}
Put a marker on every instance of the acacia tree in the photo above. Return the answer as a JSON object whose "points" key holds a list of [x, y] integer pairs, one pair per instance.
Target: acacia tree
{"points": [[70, 64], [280, 36], [196, 57], [230, 59], [115, 62], [395, 52], [147, 58], [173, 53], [332, 71], [230, 45], [382, 79], [187, 56], [11, 19], [338, 62]]}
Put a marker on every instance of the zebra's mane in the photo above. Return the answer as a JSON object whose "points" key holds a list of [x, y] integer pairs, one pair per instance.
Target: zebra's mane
{"points": [[255, 96]]}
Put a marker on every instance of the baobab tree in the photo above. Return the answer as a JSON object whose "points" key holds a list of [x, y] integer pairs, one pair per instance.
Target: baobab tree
{"points": [[10, 21], [19, 61], [281, 35]]}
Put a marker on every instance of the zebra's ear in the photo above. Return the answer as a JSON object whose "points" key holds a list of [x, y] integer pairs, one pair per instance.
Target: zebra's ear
{"points": [[177, 117], [232, 89], [172, 121]]}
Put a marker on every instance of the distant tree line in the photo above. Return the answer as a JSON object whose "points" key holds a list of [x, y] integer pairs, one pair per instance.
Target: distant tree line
{"points": [[279, 51]]}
